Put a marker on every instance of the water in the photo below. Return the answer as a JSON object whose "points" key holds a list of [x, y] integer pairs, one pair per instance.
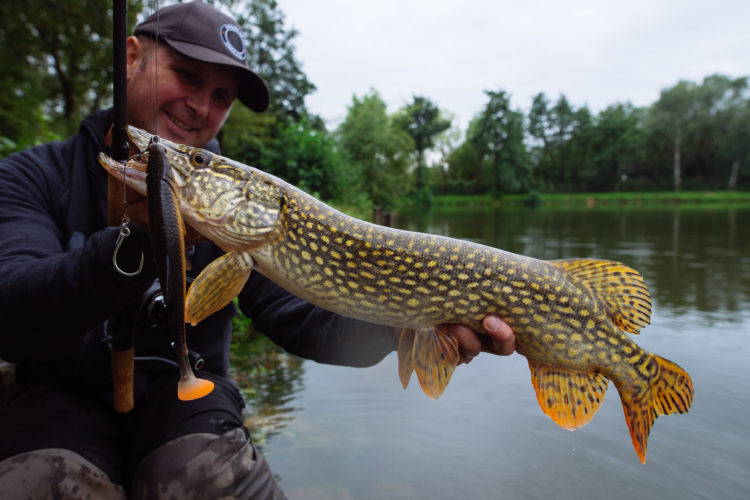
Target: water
{"points": [[355, 434]]}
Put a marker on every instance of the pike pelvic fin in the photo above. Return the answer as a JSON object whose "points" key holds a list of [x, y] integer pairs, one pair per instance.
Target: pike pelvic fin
{"points": [[570, 398], [670, 391], [620, 288], [430, 352], [217, 285], [405, 353]]}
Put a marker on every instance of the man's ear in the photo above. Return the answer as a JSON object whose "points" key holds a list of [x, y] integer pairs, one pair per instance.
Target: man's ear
{"points": [[134, 51]]}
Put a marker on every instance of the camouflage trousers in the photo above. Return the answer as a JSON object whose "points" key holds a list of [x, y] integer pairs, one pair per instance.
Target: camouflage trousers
{"points": [[199, 466], [66, 442]]}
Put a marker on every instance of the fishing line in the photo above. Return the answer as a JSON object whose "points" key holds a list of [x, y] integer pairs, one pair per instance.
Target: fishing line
{"points": [[155, 102], [154, 98]]}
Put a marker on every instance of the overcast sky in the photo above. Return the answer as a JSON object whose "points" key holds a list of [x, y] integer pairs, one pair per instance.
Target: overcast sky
{"points": [[596, 52]]}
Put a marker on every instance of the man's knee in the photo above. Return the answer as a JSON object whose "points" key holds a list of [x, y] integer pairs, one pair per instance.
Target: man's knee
{"points": [[206, 466], [55, 473]]}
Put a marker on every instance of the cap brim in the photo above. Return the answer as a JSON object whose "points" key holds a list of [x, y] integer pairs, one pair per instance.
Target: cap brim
{"points": [[252, 91]]}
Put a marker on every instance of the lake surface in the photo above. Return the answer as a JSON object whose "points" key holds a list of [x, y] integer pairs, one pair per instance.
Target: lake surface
{"points": [[343, 433]]}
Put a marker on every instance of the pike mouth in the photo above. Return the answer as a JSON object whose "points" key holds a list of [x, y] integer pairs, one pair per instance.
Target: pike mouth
{"points": [[132, 172]]}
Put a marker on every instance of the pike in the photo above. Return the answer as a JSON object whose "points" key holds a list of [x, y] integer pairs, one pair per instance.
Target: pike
{"points": [[570, 317]]}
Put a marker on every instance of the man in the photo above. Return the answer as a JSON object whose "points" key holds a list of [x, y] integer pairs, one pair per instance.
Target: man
{"points": [[58, 434]]}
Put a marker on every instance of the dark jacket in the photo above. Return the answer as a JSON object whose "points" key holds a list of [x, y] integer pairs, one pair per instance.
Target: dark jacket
{"points": [[58, 286]]}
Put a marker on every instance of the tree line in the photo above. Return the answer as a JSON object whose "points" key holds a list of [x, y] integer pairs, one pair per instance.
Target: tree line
{"points": [[695, 136]]}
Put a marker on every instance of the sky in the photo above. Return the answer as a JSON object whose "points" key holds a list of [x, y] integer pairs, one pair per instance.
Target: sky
{"points": [[597, 53]]}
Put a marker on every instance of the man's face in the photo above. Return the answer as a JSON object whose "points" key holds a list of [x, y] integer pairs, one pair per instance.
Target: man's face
{"points": [[177, 97]]}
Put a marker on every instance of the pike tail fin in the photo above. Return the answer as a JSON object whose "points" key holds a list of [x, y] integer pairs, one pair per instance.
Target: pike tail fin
{"points": [[670, 391], [432, 354]]}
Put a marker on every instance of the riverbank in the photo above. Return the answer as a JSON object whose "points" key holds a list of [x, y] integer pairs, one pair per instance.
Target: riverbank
{"points": [[602, 200]]}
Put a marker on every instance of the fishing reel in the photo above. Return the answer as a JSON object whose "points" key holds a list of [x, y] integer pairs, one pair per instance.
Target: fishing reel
{"points": [[150, 312]]}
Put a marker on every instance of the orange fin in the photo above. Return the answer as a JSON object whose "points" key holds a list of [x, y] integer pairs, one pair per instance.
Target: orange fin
{"points": [[217, 285], [405, 356], [570, 398], [435, 357], [190, 388], [620, 288], [670, 391]]}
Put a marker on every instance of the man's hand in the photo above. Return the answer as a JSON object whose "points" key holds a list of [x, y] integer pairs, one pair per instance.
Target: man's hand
{"points": [[500, 339]]}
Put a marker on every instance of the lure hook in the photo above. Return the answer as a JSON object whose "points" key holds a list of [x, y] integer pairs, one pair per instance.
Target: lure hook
{"points": [[125, 233]]}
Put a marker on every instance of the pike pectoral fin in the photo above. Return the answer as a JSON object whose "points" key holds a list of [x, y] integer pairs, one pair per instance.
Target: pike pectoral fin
{"points": [[621, 289], [430, 352], [670, 391], [217, 285], [570, 398]]}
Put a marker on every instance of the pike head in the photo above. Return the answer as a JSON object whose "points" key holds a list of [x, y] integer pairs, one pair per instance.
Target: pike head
{"points": [[236, 206]]}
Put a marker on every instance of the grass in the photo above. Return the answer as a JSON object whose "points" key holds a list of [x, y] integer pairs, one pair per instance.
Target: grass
{"points": [[602, 200]]}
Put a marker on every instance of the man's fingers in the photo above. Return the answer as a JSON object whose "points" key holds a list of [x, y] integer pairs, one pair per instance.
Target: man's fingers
{"points": [[469, 345], [501, 338]]}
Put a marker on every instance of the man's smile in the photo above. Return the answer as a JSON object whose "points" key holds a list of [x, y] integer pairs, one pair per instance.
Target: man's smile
{"points": [[184, 126]]}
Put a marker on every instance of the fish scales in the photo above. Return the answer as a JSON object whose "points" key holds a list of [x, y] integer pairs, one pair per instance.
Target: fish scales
{"points": [[571, 318], [369, 271]]}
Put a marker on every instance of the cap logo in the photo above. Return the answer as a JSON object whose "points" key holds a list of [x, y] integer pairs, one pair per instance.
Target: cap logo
{"points": [[231, 37]]}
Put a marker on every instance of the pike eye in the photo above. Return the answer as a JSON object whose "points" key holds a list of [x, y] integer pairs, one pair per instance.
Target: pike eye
{"points": [[199, 159]]}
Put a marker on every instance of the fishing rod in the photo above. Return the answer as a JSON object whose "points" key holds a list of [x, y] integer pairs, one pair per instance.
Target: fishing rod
{"points": [[120, 329]]}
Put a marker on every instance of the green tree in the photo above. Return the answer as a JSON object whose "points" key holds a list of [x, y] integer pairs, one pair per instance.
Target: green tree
{"points": [[423, 121], [735, 123], [56, 65], [721, 129], [445, 143], [374, 151], [539, 119], [498, 136], [577, 152], [552, 128], [672, 116], [304, 156], [561, 142], [562, 126], [465, 166], [617, 147]]}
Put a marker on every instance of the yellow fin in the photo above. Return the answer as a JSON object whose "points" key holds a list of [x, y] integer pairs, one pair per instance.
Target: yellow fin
{"points": [[670, 391], [435, 357], [570, 398], [620, 288], [405, 356], [189, 388], [217, 285]]}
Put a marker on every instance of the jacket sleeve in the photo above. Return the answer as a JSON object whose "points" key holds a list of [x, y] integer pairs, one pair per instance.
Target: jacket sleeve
{"points": [[311, 332], [55, 285]]}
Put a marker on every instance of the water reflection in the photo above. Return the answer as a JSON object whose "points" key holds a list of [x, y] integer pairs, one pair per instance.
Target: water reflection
{"points": [[269, 380]]}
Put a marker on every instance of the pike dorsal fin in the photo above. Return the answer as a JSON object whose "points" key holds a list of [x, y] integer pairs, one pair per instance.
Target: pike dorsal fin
{"points": [[620, 288], [570, 398]]}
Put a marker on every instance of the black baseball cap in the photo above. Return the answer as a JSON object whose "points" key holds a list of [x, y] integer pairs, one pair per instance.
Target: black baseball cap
{"points": [[201, 32]]}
